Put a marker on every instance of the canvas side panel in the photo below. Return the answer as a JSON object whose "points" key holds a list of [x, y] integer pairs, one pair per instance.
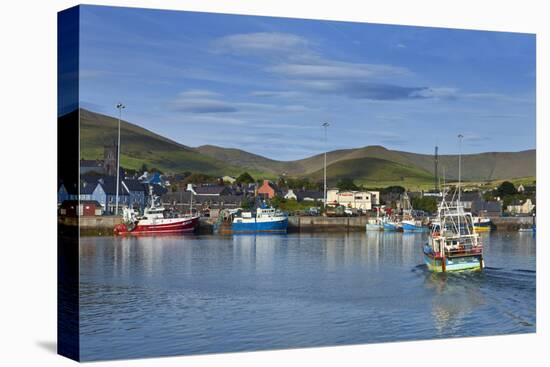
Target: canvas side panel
{"points": [[68, 343]]}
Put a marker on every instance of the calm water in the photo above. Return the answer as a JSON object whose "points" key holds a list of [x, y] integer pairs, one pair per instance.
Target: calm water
{"points": [[205, 294]]}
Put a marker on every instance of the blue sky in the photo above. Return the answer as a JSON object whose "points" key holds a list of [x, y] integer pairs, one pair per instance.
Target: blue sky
{"points": [[266, 84]]}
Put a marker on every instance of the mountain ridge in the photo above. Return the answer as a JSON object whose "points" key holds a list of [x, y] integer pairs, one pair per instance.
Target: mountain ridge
{"points": [[140, 145]]}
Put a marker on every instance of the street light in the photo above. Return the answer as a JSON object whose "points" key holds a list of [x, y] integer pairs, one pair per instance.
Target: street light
{"points": [[325, 125], [120, 107]]}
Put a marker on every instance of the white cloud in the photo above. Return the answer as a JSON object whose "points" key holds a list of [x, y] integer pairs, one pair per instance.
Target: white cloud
{"points": [[201, 101], [262, 42]]}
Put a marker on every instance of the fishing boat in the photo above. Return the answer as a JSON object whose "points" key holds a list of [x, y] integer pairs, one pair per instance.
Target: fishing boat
{"points": [[482, 224], [155, 220], [264, 219], [391, 225], [375, 224], [454, 244], [412, 225]]}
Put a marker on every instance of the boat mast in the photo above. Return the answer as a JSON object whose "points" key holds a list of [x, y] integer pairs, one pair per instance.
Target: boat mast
{"points": [[459, 208]]}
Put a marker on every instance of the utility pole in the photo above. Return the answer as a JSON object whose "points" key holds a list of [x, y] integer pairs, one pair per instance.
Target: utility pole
{"points": [[436, 170], [120, 107], [325, 125]]}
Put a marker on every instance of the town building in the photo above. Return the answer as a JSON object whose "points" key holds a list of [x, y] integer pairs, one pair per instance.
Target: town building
{"points": [[81, 208], [353, 199], [521, 207], [228, 179], [212, 190], [267, 190]]}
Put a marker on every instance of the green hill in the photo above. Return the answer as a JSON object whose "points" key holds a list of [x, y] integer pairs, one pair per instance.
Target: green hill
{"points": [[375, 172], [141, 146], [372, 165]]}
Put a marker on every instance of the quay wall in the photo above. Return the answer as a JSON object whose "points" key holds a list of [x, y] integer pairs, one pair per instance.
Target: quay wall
{"points": [[511, 223], [103, 225]]}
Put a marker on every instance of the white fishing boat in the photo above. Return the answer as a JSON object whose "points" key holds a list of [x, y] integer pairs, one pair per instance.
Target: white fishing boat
{"points": [[454, 244], [375, 224]]}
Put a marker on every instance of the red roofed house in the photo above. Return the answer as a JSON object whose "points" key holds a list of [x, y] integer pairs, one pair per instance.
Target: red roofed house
{"points": [[267, 190]]}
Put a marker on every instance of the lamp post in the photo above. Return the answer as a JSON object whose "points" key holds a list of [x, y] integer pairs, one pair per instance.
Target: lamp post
{"points": [[120, 107], [325, 125]]}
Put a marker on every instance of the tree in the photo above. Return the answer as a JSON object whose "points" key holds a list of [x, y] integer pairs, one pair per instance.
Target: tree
{"points": [[199, 178], [346, 184], [426, 203], [506, 189], [245, 178], [393, 189]]}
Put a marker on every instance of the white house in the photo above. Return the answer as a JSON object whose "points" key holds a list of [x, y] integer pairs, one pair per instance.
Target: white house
{"points": [[229, 179], [521, 207], [290, 195], [353, 199]]}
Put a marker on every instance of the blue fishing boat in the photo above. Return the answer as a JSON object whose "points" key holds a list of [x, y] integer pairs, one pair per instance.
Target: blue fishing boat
{"points": [[391, 226], [265, 219], [413, 226]]}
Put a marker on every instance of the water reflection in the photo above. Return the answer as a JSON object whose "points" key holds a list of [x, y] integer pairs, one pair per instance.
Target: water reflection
{"points": [[198, 294]]}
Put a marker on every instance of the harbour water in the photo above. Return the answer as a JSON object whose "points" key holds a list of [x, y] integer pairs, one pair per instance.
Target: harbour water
{"points": [[162, 296]]}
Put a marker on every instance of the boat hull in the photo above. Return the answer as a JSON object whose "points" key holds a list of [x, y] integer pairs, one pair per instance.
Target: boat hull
{"points": [[185, 225], [482, 227], [390, 227], [278, 225], [454, 264], [409, 227], [374, 227]]}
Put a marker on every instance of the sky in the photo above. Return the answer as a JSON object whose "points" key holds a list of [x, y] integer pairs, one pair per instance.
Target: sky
{"points": [[265, 85]]}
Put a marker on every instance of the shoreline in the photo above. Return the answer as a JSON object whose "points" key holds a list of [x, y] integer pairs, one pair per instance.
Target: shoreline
{"points": [[103, 225]]}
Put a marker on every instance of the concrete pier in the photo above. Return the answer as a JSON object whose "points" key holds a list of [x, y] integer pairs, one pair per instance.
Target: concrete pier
{"points": [[103, 225]]}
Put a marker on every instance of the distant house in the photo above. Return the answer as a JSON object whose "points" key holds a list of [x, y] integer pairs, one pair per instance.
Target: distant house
{"points": [[310, 195], [350, 199], [290, 195], [487, 208], [229, 179], [521, 207], [470, 199], [212, 190], [520, 188], [267, 190], [103, 190], [137, 192], [183, 200], [81, 208]]}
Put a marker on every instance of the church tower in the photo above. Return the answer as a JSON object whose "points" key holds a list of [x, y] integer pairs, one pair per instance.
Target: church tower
{"points": [[110, 159]]}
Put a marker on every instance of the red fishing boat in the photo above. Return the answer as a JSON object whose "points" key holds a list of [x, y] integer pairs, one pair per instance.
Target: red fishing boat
{"points": [[155, 220]]}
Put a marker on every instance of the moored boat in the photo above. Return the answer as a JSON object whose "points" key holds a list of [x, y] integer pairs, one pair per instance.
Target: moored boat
{"points": [[391, 225], [155, 220], [264, 219], [375, 224], [482, 224], [411, 225]]}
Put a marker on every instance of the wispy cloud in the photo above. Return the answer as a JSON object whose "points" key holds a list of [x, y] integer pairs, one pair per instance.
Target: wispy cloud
{"points": [[276, 93], [261, 42], [199, 101]]}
